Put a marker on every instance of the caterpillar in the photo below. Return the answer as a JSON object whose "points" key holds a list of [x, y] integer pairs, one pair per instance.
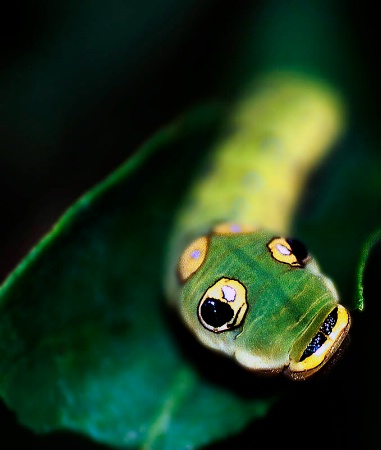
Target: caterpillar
{"points": [[239, 282]]}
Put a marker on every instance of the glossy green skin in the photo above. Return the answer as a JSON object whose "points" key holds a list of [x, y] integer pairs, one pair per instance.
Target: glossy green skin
{"points": [[286, 305]]}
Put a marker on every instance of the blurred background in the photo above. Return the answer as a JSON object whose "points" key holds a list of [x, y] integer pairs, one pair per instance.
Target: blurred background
{"points": [[83, 84]]}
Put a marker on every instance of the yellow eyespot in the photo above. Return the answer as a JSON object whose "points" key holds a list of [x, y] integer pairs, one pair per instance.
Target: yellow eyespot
{"points": [[233, 228], [324, 344], [223, 306], [192, 258], [288, 251]]}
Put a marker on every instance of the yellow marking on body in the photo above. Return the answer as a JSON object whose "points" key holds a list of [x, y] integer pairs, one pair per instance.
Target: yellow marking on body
{"points": [[228, 291], [307, 367], [233, 228], [192, 258], [281, 250]]}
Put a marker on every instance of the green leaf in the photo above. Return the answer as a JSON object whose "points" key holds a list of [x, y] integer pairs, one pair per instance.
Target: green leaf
{"points": [[86, 338], [369, 246]]}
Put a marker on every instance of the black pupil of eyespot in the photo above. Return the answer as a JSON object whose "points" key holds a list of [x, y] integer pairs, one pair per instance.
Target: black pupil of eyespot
{"points": [[216, 313], [329, 322], [314, 345], [324, 331], [298, 249]]}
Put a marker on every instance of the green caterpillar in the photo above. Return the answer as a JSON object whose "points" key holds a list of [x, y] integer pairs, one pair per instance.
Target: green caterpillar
{"points": [[240, 284]]}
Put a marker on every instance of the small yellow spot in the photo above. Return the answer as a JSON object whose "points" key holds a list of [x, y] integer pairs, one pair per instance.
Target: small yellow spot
{"points": [[233, 228], [192, 258], [311, 364], [281, 250]]}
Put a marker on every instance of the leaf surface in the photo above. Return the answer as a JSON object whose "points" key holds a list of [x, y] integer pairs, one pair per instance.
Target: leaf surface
{"points": [[86, 340]]}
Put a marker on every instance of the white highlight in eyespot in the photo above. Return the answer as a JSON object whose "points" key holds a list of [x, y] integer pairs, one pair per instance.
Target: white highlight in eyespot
{"points": [[229, 293], [282, 249], [196, 254], [235, 228]]}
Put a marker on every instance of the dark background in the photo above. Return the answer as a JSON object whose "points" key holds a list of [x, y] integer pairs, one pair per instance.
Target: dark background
{"points": [[83, 84], [81, 89]]}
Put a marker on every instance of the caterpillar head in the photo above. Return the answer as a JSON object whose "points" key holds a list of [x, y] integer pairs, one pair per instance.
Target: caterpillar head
{"points": [[261, 299]]}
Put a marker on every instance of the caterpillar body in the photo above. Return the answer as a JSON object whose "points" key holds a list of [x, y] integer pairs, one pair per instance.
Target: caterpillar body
{"points": [[238, 281]]}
